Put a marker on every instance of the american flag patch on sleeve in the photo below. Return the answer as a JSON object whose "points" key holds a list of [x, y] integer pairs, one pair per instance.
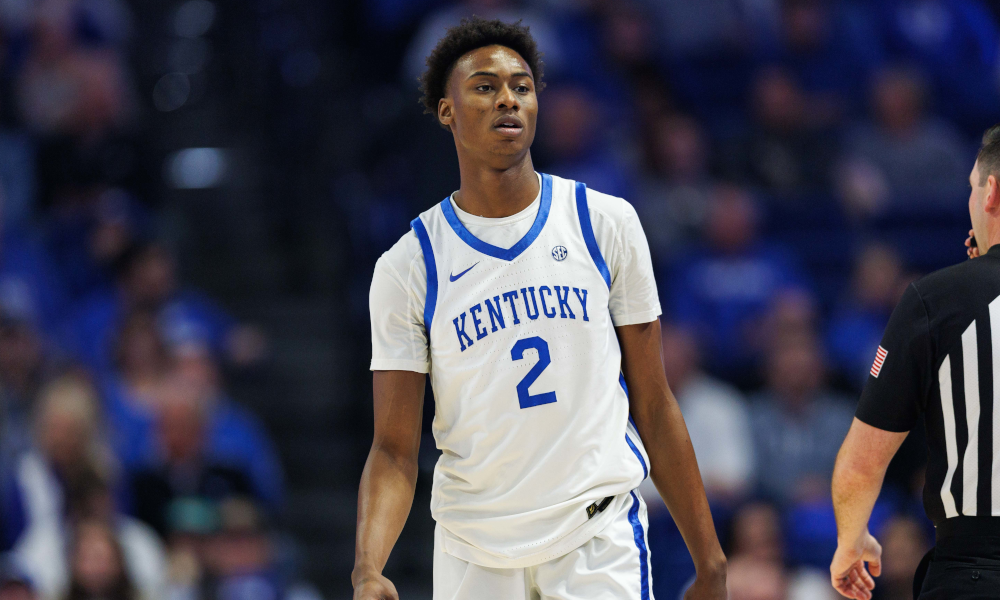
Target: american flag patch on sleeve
{"points": [[879, 361]]}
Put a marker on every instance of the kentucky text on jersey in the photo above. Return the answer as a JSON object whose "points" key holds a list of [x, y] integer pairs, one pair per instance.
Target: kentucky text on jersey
{"points": [[554, 301]]}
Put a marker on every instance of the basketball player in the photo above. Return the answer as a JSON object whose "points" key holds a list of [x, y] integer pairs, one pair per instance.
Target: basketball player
{"points": [[530, 301]]}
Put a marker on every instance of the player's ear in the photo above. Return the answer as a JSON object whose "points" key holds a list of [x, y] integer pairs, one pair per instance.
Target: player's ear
{"points": [[445, 114], [992, 194]]}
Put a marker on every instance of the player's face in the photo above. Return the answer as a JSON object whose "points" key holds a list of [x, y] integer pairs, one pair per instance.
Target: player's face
{"points": [[977, 203], [491, 105]]}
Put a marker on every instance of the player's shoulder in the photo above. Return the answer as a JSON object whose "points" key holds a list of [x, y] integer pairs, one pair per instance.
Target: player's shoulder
{"points": [[401, 257], [605, 209], [970, 282], [951, 280]]}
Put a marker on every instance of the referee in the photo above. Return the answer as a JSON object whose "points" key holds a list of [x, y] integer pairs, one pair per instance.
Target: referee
{"points": [[940, 359]]}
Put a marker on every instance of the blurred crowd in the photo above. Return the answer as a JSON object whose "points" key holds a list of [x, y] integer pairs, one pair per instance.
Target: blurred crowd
{"points": [[795, 164], [126, 470]]}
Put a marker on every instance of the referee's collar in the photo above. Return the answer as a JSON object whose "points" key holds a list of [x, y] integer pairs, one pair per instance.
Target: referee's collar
{"points": [[994, 250]]}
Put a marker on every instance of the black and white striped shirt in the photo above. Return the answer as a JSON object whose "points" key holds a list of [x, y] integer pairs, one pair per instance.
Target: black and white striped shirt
{"points": [[939, 358]]}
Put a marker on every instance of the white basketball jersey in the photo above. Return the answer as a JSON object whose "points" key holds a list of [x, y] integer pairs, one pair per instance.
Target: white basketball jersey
{"points": [[531, 409]]}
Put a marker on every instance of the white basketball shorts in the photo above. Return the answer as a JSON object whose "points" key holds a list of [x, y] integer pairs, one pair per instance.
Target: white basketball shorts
{"points": [[613, 565]]}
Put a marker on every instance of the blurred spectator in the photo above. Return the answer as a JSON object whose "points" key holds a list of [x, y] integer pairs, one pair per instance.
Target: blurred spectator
{"points": [[757, 543], [183, 469], [190, 521], [239, 557], [723, 291], [716, 416], [30, 289], [756, 533], [629, 38], [798, 424], [98, 564], [65, 479], [66, 449], [235, 436], [754, 580], [903, 151], [792, 317], [676, 189], [147, 280], [131, 390], [856, 327], [21, 357], [789, 147], [14, 585], [573, 140], [145, 558], [202, 443], [904, 543], [222, 550], [831, 48], [89, 230], [956, 42], [66, 87]]}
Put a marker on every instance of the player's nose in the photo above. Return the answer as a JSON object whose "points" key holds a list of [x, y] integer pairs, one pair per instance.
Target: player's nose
{"points": [[507, 99]]}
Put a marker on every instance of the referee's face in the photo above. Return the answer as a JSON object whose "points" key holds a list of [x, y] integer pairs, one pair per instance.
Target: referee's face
{"points": [[978, 199]]}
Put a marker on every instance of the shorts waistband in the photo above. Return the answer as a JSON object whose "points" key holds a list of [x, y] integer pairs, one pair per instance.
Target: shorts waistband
{"points": [[968, 527]]}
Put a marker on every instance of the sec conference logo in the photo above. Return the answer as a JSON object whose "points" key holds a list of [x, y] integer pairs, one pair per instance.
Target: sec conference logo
{"points": [[560, 253]]}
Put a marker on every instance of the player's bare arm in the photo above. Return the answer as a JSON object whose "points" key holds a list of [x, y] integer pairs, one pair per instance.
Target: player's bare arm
{"points": [[389, 479], [857, 480], [673, 466]]}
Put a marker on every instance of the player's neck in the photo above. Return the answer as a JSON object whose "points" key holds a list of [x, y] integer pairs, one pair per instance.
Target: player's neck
{"points": [[497, 193], [992, 237]]}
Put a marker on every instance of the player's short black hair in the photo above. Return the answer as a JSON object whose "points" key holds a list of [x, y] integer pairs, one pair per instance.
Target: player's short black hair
{"points": [[989, 154], [469, 35]]}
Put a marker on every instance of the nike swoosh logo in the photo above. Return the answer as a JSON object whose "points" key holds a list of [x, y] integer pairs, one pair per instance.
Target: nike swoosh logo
{"points": [[455, 277]]}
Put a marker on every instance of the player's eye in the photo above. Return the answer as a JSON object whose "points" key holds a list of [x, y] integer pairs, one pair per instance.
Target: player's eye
{"points": [[485, 87], [522, 89]]}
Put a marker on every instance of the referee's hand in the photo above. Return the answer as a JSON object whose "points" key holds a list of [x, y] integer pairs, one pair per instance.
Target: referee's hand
{"points": [[972, 251], [848, 573]]}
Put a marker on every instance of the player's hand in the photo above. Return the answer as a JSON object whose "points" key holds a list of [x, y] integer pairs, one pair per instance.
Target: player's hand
{"points": [[972, 251], [375, 587], [848, 573], [708, 587]]}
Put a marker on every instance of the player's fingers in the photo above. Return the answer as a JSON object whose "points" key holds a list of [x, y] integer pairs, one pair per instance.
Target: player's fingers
{"points": [[849, 590], [875, 567], [866, 579], [844, 587], [861, 579], [873, 550], [861, 591]]}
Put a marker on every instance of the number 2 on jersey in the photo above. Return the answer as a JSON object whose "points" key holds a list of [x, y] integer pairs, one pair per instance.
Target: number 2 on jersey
{"points": [[525, 399]]}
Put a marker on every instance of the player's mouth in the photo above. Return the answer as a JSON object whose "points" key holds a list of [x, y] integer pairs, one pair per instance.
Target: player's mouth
{"points": [[510, 126]]}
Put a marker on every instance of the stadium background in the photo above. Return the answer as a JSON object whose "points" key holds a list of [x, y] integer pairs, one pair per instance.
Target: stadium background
{"points": [[194, 194]]}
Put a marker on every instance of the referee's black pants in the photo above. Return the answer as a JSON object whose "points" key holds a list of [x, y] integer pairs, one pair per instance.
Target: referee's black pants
{"points": [[964, 564]]}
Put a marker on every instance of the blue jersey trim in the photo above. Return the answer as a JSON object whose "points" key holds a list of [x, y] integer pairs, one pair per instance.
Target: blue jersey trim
{"points": [[583, 209], [645, 471], [522, 244], [640, 542], [621, 380], [432, 279]]}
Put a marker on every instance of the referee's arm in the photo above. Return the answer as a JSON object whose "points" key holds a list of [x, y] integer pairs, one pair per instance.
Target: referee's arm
{"points": [[889, 408]]}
